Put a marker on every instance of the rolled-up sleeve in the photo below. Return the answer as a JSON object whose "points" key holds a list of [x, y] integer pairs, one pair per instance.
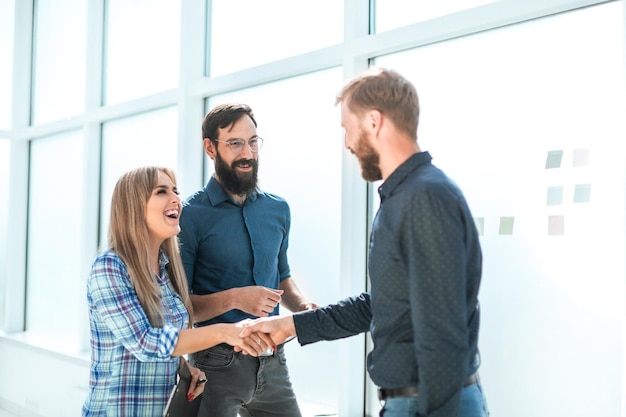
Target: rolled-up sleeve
{"points": [[112, 297]]}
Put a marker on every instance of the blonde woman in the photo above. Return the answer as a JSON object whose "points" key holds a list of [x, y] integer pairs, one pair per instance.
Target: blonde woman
{"points": [[139, 306]]}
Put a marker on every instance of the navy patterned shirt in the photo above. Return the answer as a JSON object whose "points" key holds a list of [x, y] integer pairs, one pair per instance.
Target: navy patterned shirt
{"points": [[422, 310], [225, 245]]}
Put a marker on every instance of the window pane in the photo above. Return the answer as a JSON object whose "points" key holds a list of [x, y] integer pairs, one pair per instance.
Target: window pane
{"points": [[528, 120], [247, 33], [392, 14], [147, 139], [54, 292], [286, 170], [142, 48], [5, 149], [59, 65], [6, 57]]}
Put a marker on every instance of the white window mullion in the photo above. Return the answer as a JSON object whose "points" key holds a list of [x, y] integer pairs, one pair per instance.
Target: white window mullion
{"points": [[15, 269]]}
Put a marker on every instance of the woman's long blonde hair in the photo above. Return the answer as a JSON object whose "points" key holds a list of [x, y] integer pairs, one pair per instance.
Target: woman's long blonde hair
{"points": [[128, 237]]}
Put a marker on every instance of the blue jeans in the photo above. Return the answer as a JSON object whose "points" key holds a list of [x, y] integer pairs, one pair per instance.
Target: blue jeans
{"points": [[237, 383], [473, 404]]}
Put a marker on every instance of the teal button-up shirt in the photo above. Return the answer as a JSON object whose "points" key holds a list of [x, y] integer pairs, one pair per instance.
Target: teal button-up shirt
{"points": [[226, 245]]}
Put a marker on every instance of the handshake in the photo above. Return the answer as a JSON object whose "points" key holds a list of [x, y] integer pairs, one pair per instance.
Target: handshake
{"points": [[257, 336]]}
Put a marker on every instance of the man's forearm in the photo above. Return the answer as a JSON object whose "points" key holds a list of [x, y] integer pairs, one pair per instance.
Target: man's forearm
{"points": [[292, 298], [346, 318], [208, 306]]}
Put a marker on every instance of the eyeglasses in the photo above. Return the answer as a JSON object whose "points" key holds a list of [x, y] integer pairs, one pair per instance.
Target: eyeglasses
{"points": [[237, 145]]}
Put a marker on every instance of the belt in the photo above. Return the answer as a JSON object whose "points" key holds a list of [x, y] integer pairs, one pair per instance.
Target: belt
{"points": [[386, 393]]}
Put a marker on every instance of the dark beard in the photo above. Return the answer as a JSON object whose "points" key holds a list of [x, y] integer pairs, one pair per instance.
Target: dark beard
{"points": [[368, 159], [231, 180]]}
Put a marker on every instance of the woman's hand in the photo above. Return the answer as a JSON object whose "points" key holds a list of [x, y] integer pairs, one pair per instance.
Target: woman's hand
{"points": [[253, 344], [198, 381], [279, 329]]}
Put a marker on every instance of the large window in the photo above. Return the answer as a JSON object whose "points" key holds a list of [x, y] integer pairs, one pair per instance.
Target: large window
{"points": [[142, 48], [5, 148], [522, 105], [145, 139], [239, 39], [6, 57], [391, 14], [55, 297], [59, 72]]}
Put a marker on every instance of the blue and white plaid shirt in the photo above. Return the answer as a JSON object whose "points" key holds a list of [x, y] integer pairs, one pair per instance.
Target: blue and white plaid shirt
{"points": [[132, 370]]}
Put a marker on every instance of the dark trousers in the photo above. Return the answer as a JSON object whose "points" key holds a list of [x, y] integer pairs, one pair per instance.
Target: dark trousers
{"points": [[252, 387]]}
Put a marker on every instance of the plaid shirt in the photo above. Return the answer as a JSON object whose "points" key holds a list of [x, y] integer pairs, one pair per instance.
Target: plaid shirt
{"points": [[132, 370]]}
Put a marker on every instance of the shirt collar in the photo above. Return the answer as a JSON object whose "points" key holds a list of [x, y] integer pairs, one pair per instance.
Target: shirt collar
{"points": [[217, 195], [403, 171], [163, 262], [163, 259]]}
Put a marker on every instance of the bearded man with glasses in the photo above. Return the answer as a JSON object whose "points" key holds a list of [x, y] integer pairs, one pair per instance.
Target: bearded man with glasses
{"points": [[233, 242]]}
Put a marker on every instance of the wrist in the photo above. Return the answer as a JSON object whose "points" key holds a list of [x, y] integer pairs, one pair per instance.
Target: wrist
{"points": [[292, 327], [223, 331]]}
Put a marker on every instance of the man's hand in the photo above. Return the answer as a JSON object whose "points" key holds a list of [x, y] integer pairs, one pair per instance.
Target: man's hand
{"points": [[258, 301], [279, 328], [252, 344], [293, 298], [307, 306]]}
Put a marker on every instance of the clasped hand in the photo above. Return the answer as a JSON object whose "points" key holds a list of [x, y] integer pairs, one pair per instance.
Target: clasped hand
{"points": [[265, 331]]}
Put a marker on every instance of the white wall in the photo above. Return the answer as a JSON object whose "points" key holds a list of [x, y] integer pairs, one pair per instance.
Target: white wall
{"points": [[35, 382]]}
